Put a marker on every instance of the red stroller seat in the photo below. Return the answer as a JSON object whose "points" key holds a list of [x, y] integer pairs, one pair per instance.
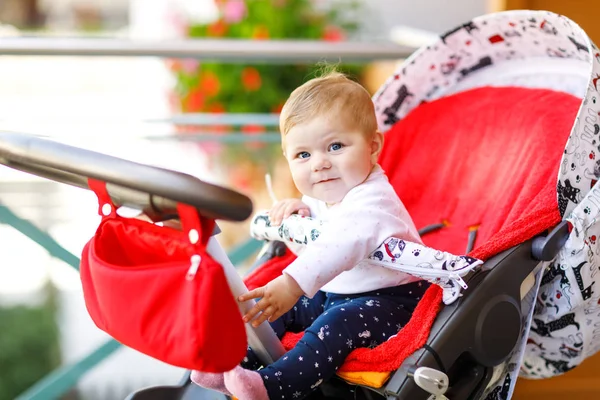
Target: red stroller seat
{"points": [[485, 332], [482, 161], [493, 175]]}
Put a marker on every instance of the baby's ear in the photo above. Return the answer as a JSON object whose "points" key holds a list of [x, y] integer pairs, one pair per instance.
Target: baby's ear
{"points": [[376, 146]]}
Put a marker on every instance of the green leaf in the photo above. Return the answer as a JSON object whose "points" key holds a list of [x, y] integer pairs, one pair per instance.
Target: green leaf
{"points": [[29, 345]]}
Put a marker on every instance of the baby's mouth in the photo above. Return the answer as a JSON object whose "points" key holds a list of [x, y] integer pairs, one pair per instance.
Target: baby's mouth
{"points": [[327, 180]]}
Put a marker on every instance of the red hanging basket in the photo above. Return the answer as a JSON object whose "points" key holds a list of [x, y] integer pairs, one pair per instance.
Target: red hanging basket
{"points": [[153, 290]]}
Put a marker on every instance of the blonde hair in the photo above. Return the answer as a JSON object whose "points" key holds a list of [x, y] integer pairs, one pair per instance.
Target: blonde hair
{"points": [[333, 92]]}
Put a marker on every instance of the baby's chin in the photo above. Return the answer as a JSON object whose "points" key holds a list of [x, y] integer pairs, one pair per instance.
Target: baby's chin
{"points": [[329, 198]]}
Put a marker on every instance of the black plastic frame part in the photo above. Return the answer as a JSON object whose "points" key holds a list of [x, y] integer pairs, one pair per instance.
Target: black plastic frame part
{"points": [[481, 329], [546, 248], [153, 189], [469, 337], [186, 390]]}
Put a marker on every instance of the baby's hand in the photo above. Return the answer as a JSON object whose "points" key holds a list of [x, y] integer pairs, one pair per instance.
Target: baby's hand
{"points": [[278, 297], [171, 223], [284, 208]]}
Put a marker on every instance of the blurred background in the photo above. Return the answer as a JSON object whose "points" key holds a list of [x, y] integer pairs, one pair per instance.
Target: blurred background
{"points": [[161, 111]]}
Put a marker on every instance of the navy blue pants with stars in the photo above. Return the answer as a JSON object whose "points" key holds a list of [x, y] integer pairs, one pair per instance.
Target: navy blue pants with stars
{"points": [[333, 325]]}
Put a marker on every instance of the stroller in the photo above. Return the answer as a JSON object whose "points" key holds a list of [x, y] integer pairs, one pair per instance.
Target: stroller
{"points": [[476, 126]]}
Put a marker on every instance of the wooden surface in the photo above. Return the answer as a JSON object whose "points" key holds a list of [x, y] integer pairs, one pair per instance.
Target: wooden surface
{"points": [[581, 383]]}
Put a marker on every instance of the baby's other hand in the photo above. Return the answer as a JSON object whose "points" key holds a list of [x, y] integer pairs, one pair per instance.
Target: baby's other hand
{"points": [[171, 223], [284, 208], [277, 298]]}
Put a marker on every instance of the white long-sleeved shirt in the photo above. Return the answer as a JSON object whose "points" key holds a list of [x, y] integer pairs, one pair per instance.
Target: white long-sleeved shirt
{"points": [[337, 261]]}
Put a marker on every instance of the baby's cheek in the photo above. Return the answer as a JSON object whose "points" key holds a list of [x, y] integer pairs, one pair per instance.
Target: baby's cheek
{"points": [[300, 177]]}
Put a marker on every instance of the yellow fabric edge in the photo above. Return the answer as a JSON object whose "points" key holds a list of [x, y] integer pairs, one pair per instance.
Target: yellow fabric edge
{"points": [[366, 378]]}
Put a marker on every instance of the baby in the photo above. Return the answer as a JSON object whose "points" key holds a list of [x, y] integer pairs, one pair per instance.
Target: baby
{"points": [[331, 291]]}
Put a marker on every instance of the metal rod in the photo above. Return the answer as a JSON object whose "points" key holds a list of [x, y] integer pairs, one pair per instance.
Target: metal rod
{"points": [[236, 119], [471, 240], [72, 165], [229, 138], [262, 339], [431, 228], [232, 50], [42, 238], [61, 380]]}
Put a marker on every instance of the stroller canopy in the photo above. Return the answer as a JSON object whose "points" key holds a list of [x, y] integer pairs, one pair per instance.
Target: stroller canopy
{"points": [[516, 48], [545, 163]]}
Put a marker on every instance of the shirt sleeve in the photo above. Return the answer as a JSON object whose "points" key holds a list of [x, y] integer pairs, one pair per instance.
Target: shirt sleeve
{"points": [[355, 228], [313, 206]]}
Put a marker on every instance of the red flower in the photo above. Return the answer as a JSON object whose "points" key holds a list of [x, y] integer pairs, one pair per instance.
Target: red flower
{"points": [[194, 100], [209, 82], [251, 79], [217, 29], [333, 34], [216, 108], [253, 129], [173, 65], [277, 109], [260, 32]]}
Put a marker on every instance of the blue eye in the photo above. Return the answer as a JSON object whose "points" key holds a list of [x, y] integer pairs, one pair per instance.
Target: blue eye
{"points": [[303, 154], [335, 146]]}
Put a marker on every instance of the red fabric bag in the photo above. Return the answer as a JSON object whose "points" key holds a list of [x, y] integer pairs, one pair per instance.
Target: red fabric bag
{"points": [[153, 290]]}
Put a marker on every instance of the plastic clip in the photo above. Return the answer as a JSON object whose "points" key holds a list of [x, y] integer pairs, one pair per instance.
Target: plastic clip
{"points": [[459, 280], [194, 265]]}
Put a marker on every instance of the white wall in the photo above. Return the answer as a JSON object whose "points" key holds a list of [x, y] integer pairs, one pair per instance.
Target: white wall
{"points": [[437, 16]]}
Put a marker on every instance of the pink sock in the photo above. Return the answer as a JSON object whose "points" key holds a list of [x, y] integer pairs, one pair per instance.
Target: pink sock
{"points": [[210, 380], [245, 384]]}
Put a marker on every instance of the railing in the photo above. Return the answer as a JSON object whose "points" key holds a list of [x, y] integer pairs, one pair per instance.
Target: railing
{"points": [[228, 50], [63, 379]]}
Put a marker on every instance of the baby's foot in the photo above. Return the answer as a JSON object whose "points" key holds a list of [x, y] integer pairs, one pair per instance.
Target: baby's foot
{"points": [[210, 380], [245, 384]]}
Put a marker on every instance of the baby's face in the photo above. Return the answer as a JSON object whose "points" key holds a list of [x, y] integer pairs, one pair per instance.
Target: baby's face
{"points": [[327, 161]]}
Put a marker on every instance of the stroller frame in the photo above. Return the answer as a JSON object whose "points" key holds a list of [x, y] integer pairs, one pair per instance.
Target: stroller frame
{"points": [[488, 305], [472, 321]]}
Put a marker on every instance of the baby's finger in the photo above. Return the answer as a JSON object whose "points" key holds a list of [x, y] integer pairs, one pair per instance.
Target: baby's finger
{"points": [[258, 307], [304, 212], [278, 206], [290, 209], [253, 294], [276, 213], [263, 316], [275, 316]]}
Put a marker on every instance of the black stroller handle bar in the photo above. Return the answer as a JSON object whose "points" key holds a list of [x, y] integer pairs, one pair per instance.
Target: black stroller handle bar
{"points": [[153, 189]]}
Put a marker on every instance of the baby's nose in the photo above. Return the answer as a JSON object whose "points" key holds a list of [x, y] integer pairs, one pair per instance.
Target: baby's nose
{"points": [[321, 162]]}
